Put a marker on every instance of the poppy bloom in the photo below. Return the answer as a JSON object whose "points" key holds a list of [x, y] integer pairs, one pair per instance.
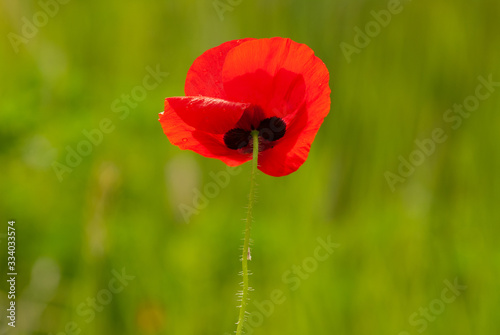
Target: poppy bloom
{"points": [[276, 86]]}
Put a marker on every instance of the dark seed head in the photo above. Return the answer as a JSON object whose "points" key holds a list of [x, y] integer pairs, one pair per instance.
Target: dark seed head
{"points": [[272, 129], [237, 138]]}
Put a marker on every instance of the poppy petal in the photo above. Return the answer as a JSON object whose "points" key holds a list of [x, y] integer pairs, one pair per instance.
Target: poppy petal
{"points": [[214, 116], [187, 137], [205, 75], [276, 74], [290, 152]]}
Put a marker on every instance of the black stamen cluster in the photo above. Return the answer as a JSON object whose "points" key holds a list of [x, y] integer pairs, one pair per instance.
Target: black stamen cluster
{"points": [[270, 130]]}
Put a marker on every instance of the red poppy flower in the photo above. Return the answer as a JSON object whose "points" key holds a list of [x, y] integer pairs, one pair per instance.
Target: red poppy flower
{"points": [[276, 86]]}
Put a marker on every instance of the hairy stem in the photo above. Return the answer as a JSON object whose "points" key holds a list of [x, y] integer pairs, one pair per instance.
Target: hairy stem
{"points": [[245, 257]]}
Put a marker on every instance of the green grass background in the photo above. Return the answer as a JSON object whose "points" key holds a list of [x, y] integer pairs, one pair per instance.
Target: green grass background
{"points": [[119, 207]]}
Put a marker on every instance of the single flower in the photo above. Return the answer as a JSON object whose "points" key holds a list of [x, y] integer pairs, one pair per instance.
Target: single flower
{"points": [[274, 86]]}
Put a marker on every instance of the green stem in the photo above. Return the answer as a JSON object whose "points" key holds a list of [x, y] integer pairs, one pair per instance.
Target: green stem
{"points": [[246, 245]]}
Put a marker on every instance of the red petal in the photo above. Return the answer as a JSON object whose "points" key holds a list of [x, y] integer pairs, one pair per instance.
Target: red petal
{"points": [[215, 116], [276, 74], [288, 154], [205, 75], [292, 150], [187, 137]]}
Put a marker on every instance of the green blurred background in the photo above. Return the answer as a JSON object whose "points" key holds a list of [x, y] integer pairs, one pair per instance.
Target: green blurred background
{"points": [[118, 209]]}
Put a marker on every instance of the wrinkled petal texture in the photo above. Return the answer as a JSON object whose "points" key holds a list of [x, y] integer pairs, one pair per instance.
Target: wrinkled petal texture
{"points": [[283, 78], [184, 121], [211, 115], [204, 77]]}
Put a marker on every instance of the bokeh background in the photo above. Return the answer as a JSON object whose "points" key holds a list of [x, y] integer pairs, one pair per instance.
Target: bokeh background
{"points": [[117, 210]]}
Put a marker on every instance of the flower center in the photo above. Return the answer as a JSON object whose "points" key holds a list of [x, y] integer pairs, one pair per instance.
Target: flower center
{"points": [[270, 130]]}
